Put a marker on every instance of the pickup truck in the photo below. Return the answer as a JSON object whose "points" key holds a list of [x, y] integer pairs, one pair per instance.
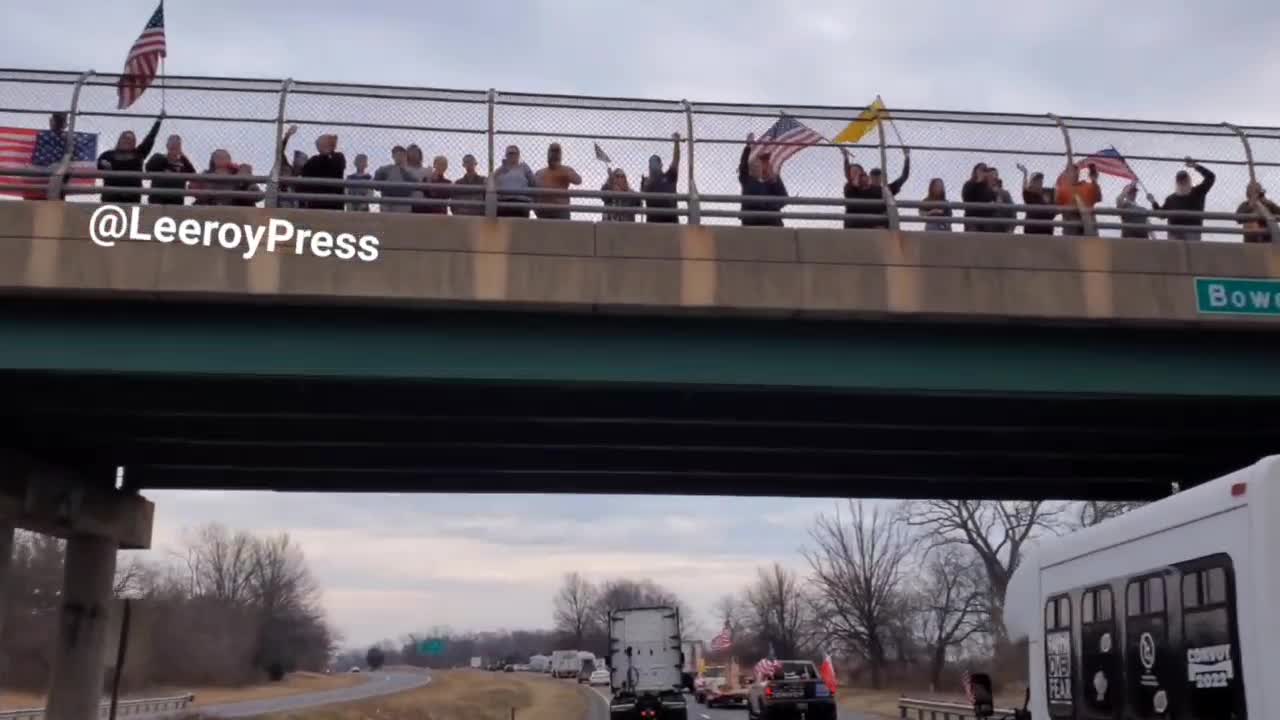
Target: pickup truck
{"points": [[794, 690]]}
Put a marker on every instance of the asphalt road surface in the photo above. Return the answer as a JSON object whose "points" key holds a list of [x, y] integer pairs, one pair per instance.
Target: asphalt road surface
{"points": [[599, 710], [378, 683]]}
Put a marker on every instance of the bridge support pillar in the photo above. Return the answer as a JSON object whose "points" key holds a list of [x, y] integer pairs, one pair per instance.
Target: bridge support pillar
{"points": [[75, 692], [6, 567]]}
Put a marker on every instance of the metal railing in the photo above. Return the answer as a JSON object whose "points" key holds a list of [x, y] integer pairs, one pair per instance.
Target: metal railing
{"points": [[912, 709], [125, 708], [248, 117]]}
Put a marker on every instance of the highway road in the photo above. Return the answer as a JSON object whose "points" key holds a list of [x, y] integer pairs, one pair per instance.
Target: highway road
{"points": [[378, 683], [599, 710]]}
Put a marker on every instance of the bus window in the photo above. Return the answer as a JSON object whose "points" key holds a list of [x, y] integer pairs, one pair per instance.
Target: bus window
{"points": [[1209, 636], [1150, 671], [1058, 658], [1099, 655]]}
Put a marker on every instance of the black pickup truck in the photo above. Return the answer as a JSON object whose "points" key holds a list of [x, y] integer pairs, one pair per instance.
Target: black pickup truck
{"points": [[795, 690]]}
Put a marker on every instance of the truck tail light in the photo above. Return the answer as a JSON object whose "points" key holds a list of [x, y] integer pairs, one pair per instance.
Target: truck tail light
{"points": [[768, 692]]}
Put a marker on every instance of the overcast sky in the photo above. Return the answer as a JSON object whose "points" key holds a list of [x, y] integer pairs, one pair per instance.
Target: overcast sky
{"points": [[394, 564]]}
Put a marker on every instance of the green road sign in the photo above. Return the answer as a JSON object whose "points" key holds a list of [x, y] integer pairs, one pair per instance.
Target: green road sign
{"points": [[1234, 296], [433, 647]]}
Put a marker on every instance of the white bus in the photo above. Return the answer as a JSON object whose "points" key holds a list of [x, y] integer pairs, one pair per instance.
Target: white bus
{"points": [[1169, 611]]}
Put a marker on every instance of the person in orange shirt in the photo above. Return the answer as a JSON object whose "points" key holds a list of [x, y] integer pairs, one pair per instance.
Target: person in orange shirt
{"points": [[557, 176], [1070, 187]]}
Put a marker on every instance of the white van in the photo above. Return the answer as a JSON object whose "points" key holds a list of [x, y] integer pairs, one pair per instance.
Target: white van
{"points": [[1167, 611]]}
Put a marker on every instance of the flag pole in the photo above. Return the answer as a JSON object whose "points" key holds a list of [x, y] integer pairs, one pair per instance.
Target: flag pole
{"points": [[162, 85]]}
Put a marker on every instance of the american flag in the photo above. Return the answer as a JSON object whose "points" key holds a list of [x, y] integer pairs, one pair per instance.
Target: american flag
{"points": [[966, 680], [787, 137], [27, 148], [1109, 162], [143, 61], [768, 665], [724, 640]]}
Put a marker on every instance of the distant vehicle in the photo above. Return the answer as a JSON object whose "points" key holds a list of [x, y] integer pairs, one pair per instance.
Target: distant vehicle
{"points": [[711, 678], [1165, 611], [731, 690], [539, 663], [645, 664], [565, 663], [794, 690], [599, 677], [477, 662], [694, 652], [355, 668], [509, 668], [588, 661]]}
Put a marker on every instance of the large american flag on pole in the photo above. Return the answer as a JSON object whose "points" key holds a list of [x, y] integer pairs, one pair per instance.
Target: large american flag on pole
{"points": [[1109, 162], [27, 148], [724, 640], [143, 62], [787, 137]]}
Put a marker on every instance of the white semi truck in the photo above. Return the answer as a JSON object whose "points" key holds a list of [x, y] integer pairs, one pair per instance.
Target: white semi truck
{"points": [[646, 664], [1165, 612]]}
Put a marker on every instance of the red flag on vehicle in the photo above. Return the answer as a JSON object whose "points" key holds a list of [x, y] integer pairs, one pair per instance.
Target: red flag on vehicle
{"points": [[828, 671]]}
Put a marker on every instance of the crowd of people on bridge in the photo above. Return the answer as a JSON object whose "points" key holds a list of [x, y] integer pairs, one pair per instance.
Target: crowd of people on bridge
{"points": [[765, 195]]}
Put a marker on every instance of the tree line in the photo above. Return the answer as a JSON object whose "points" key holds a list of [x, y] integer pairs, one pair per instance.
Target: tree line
{"points": [[225, 608], [891, 590]]}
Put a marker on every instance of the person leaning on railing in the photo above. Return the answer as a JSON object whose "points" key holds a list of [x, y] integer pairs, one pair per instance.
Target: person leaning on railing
{"points": [[555, 176], [937, 193], [439, 166], [245, 170], [512, 180], [1186, 197], [395, 172], [127, 156], [619, 212], [758, 178], [219, 176], [361, 174], [876, 180], [1036, 222], [978, 189], [1256, 230], [857, 186], [173, 161]]}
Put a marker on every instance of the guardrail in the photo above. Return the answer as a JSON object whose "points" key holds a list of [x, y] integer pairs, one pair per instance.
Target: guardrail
{"points": [[124, 708], [249, 117], [913, 709]]}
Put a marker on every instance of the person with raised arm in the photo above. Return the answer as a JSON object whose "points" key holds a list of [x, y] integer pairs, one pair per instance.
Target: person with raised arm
{"points": [[1070, 188], [329, 164], [857, 186], [1033, 193], [127, 156], [662, 181], [1186, 197], [758, 178]]}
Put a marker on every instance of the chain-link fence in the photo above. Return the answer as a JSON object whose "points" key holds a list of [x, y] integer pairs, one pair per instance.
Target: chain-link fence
{"points": [[247, 117]]}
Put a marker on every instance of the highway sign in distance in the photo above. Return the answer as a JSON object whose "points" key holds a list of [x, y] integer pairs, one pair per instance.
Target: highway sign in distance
{"points": [[432, 646]]}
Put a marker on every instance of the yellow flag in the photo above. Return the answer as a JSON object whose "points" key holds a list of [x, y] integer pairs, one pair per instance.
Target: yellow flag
{"points": [[867, 121]]}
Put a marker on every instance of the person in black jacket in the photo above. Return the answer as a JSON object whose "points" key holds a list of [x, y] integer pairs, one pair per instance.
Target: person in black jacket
{"points": [[326, 163], [978, 189], [1186, 197], [876, 179], [857, 186], [127, 156], [758, 178], [172, 161]]}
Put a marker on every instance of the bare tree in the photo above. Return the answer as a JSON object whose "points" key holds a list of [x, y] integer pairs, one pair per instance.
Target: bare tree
{"points": [[220, 563], [951, 604], [1093, 512], [778, 610], [997, 531], [574, 605], [857, 579]]}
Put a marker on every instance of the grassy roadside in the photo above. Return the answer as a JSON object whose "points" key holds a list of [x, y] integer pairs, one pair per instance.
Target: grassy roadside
{"points": [[462, 695], [295, 684], [884, 703]]}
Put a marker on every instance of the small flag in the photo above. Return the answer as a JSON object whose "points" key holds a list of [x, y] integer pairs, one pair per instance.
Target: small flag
{"points": [[966, 681], [602, 156], [27, 148], [724, 640], [828, 672], [1109, 162], [143, 61], [867, 121], [787, 137]]}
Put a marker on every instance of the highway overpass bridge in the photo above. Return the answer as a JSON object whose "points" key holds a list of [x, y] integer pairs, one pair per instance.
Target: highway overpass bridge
{"points": [[484, 355]]}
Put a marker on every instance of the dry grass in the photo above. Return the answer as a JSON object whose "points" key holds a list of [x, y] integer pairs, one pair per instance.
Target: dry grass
{"points": [[295, 684], [463, 695], [884, 703]]}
